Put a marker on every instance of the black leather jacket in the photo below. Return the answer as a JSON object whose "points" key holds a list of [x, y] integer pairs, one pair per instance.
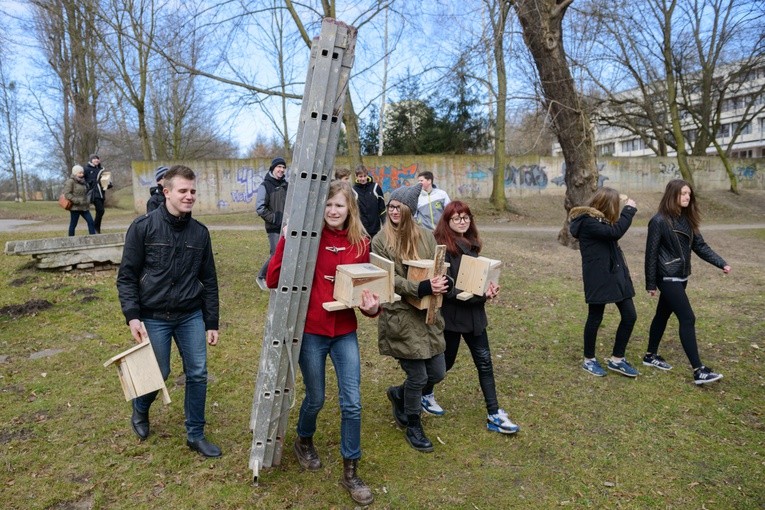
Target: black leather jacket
{"points": [[168, 269], [668, 248]]}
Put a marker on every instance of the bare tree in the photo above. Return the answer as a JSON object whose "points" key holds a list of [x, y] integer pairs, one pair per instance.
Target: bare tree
{"points": [[64, 29], [9, 109], [541, 21]]}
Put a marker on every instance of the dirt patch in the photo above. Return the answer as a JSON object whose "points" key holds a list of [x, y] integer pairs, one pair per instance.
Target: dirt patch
{"points": [[86, 503], [18, 282], [7, 436], [32, 307], [88, 299]]}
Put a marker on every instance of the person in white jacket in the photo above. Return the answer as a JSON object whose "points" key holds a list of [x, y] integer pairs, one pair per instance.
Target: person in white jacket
{"points": [[431, 202]]}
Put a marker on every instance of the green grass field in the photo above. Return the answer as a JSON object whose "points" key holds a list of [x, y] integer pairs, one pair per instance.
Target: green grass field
{"points": [[657, 441]]}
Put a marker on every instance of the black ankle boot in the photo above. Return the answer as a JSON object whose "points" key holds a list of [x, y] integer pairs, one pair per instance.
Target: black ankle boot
{"points": [[416, 436], [397, 402], [140, 423], [358, 490], [306, 453]]}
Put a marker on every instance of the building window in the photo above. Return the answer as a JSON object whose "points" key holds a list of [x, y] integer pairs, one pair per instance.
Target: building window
{"points": [[724, 131], [635, 144], [606, 149]]}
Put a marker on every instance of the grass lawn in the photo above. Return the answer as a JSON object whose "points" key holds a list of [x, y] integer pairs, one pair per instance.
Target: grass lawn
{"points": [[657, 441]]}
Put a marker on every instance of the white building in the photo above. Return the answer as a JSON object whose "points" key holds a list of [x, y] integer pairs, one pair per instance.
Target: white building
{"points": [[616, 141]]}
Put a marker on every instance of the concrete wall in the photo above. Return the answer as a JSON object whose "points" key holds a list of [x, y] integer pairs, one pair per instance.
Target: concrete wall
{"points": [[230, 185]]}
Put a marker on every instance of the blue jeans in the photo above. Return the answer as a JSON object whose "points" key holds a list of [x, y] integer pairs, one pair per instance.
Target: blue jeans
{"points": [[74, 217], [190, 337], [273, 239], [344, 352]]}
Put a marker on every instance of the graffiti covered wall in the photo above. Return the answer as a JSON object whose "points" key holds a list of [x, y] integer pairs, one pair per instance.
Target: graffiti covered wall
{"points": [[230, 185]]}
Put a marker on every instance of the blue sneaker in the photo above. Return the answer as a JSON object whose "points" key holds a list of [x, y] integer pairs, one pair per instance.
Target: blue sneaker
{"points": [[593, 367], [623, 368], [430, 406], [501, 423]]}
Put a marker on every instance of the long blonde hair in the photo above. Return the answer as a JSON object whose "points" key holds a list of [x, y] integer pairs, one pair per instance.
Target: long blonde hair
{"points": [[357, 235], [404, 237]]}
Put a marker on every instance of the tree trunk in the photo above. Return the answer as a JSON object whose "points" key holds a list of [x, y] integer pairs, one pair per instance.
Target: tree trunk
{"points": [[351, 122], [541, 21], [498, 197]]}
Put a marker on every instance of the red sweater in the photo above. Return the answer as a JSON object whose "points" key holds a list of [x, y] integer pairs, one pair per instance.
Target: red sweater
{"points": [[334, 249]]}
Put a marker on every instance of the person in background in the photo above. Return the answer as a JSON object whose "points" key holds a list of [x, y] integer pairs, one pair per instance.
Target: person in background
{"points": [[606, 277], [467, 319], [167, 280], [76, 191], [371, 201], [93, 173], [343, 174], [343, 241], [269, 204], [431, 203], [156, 193], [673, 233], [402, 332]]}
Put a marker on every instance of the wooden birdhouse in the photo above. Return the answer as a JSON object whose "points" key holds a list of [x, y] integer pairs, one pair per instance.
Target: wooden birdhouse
{"points": [[377, 276], [475, 275], [419, 270], [139, 372]]}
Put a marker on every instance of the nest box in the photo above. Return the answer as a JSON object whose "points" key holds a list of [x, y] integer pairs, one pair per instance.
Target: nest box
{"points": [[139, 372]]}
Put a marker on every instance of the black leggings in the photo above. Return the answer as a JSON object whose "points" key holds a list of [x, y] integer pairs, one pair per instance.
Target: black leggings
{"points": [[623, 332], [479, 350], [673, 299]]}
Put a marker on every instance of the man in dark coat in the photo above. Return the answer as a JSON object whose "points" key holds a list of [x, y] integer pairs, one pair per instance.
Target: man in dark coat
{"points": [[93, 173], [157, 193], [269, 204], [167, 283], [371, 201]]}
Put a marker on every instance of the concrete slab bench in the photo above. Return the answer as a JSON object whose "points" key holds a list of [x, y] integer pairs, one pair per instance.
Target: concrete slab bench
{"points": [[67, 253]]}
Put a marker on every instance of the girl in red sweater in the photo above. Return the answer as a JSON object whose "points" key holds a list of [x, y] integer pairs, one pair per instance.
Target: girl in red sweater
{"points": [[343, 241]]}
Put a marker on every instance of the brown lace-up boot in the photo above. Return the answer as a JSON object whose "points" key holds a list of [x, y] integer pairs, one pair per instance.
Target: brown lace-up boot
{"points": [[306, 453], [358, 490]]}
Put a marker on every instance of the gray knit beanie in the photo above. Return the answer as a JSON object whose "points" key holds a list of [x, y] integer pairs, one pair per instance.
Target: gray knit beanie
{"points": [[407, 195]]}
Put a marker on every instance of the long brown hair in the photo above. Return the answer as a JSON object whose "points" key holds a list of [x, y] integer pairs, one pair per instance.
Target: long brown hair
{"points": [[670, 203], [357, 235], [445, 235], [403, 238], [606, 200]]}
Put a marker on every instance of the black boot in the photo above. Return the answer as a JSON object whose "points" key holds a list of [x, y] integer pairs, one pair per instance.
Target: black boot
{"points": [[140, 423], [306, 453], [416, 436], [358, 490], [397, 402]]}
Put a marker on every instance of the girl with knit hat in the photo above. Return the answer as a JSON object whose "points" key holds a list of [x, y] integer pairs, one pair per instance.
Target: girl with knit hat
{"points": [[402, 331]]}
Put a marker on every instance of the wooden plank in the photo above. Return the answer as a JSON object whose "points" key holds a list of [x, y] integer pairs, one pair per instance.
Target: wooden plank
{"points": [[439, 268]]}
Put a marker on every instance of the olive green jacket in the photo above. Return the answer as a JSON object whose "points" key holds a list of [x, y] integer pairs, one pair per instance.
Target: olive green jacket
{"points": [[77, 192], [401, 328]]}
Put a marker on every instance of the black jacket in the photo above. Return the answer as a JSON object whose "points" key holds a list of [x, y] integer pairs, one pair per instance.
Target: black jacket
{"points": [[92, 178], [371, 206], [668, 249], [156, 199], [605, 274], [168, 269], [269, 202], [462, 316]]}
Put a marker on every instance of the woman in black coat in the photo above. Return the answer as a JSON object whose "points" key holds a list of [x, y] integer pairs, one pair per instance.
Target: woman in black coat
{"points": [[598, 227], [672, 234], [467, 319]]}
